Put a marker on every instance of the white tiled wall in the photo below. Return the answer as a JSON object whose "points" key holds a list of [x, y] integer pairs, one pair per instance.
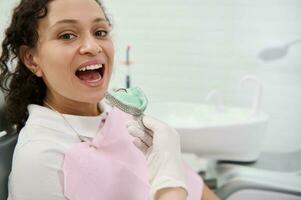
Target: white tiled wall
{"points": [[184, 48]]}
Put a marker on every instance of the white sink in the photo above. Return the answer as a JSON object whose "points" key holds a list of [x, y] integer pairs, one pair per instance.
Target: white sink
{"points": [[232, 133]]}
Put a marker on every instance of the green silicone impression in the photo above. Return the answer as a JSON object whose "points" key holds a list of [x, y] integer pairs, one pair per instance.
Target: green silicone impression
{"points": [[133, 97]]}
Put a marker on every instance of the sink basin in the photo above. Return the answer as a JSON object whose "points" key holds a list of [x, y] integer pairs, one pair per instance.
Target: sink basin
{"points": [[233, 133]]}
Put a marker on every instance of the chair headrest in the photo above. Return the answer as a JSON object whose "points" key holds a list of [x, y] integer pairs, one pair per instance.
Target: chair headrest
{"points": [[4, 124]]}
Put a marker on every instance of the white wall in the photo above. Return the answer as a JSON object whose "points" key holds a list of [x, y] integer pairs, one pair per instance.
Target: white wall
{"points": [[5, 12], [183, 49]]}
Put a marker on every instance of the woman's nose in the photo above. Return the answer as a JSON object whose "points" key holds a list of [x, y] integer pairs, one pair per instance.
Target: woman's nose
{"points": [[90, 46]]}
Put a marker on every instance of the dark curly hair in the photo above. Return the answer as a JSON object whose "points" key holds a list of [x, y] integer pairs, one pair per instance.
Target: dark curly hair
{"points": [[19, 85]]}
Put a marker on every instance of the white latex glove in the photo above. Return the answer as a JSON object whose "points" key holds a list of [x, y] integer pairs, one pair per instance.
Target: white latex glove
{"points": [[163, 153]]}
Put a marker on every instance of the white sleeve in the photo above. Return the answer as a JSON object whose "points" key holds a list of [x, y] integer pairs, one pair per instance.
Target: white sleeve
{"points": [[36, 172]]}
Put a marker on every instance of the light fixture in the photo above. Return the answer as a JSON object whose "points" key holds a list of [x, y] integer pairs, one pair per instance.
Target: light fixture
{"points": [[277, 52]]}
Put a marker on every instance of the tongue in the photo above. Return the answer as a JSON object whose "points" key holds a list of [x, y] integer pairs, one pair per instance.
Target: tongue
{"points": [[89, 75]]}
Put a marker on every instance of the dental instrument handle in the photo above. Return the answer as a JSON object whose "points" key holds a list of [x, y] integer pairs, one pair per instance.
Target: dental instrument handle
{"points": [[132, 101], [128, 81], [128, 78], [128, 55]]}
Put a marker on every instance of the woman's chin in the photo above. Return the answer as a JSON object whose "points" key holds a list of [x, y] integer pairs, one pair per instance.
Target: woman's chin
{"points": [[95, 99]]}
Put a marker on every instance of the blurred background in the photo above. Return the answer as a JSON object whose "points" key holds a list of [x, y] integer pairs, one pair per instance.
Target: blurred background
{"points": [[183, 49]]}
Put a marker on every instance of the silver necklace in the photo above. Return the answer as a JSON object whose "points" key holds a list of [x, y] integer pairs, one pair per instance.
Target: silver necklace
{"points": [[82, 139]]}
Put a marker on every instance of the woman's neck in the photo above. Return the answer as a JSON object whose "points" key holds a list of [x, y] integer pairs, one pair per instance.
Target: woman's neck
{"points": [[72, 107]]}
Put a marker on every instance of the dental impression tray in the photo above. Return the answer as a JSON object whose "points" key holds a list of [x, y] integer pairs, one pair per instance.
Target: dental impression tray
{"points": [[132, 100]]}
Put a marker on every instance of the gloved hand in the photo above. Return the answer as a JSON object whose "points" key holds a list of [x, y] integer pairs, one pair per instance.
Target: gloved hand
{"points": [[162, 149]]}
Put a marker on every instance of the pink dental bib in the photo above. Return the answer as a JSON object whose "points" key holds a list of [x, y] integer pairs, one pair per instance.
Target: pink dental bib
{"points": [[110, 167]]}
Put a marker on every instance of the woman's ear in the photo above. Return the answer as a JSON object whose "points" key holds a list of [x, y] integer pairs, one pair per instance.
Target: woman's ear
{"points": [[27, 57]]}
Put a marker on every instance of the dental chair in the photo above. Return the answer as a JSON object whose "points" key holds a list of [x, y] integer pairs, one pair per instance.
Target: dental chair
{"points": [[274, 176], [7, 145]]}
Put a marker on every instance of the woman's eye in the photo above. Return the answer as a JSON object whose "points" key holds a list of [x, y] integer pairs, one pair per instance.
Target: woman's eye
{"points": [[67, 36], [101, 33]]}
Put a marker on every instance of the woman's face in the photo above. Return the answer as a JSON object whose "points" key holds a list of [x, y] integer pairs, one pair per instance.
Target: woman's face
{"points": [[75, 53]]}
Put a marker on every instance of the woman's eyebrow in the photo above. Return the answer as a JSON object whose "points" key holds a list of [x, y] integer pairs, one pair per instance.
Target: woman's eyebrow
{"points": [[74, 21]]}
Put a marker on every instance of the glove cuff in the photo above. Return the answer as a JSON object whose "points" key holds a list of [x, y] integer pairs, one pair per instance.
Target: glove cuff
{"points": [[166, 182]]}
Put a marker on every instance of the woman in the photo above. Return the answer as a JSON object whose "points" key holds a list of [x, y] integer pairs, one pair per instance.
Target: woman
{"points": [[64, 55]]}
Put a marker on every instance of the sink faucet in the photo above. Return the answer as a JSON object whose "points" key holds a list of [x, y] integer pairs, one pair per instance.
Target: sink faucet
{"points": [[257, 100], [218, 100]]}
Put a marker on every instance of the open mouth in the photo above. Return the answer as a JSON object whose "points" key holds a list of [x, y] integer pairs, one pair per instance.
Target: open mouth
{"points": [[91, 73]]}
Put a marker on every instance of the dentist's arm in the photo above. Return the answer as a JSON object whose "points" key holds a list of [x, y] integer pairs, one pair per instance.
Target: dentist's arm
{"points": [[208, 194], [171, 193], [163, 152]]}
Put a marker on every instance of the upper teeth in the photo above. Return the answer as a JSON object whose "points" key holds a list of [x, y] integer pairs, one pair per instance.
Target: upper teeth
{"points": [[90, 67]]}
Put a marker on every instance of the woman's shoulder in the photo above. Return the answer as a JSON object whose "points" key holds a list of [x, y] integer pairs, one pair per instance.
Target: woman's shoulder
{"points": [[35, 148], [35, 143], [39, 150], [34, 133], [38, 161]]}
